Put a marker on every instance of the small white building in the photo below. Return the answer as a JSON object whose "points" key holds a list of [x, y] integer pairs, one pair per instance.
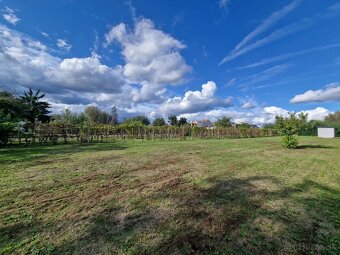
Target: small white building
{"points": [[324, 132]]}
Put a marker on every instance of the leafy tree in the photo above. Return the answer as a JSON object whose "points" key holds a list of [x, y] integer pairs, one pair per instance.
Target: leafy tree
{"points": [[159, 122], [243, 125], [290, 128], [7, 127], [33, 108], [223, 122], [333, 118], [182, 121], [69, 118], [142, 119], [95, 115], [269, 125], [10, 104], [114, 115], [173, 120]]}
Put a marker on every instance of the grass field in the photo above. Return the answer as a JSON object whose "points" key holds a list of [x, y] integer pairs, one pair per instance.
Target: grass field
{"points": [[230, 196]]}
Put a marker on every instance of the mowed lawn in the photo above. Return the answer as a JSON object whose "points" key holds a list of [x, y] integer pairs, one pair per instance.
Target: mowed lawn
{"points": [[228, 196]]}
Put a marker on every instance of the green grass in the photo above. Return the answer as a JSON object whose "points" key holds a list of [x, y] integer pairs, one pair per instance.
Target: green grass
{"points": [[230, 196]]}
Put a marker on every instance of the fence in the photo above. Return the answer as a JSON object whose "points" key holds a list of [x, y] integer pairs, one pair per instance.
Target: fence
{"points": [[49, 132]]}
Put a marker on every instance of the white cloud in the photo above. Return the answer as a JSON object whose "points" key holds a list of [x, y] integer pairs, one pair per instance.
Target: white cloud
{"points": [[318, 113], [330, 93], [86, 74], [26, 62], [195, 101], [223, 4], [256, 116], [9, 15], [63, 44], [45, 34], [152, 58]]}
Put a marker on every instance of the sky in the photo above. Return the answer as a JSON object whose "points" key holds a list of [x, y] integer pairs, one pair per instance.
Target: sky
{"points": [[250, 60]]}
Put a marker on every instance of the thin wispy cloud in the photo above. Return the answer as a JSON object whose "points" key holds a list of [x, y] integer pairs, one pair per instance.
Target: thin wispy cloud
{"points": [[274, 36], [9, 15], [287, 56], [63, 44], [132, 10], [223, 4], [265, 75], [243, 48], [268, 23], [45, 34], [295, 79], [177, 19], [263, 27], [335, 7]]}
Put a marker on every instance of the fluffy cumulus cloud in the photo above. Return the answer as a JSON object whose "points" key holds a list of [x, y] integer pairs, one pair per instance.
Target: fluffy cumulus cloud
{"points": [[9, 15], [318, 113], [257, 116], [195, 101], [152, 58], [330, 93], [152, 62], [28, 63]]}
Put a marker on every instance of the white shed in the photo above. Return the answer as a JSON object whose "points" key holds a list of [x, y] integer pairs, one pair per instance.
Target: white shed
{"points": [[326, 132]]}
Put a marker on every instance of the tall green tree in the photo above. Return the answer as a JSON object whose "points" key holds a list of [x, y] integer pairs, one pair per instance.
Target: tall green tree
{"points": [[159, 122], [182, 121], [10, 104], [223, 122], [172, 119], [114, 115], [69, 118], [142, 119], [7, 127], [243, 125], [96, 115], [333, 118], [33, 108]]}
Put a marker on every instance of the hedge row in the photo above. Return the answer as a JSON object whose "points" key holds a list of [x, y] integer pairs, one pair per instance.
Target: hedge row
{"points": [[52, 133]]}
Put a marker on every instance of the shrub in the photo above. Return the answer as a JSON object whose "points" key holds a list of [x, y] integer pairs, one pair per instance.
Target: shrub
{"points": [[290, 128], [290, 141]]}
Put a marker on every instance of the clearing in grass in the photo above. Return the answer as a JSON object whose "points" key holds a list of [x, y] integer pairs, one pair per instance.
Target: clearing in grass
{"points": [[227, 196]]}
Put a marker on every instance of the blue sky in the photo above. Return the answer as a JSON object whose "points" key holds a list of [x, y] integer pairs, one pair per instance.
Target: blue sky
{"points": [[246, 59]]}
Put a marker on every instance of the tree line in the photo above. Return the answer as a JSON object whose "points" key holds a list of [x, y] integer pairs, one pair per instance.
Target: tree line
{"points": [[27, 114]]}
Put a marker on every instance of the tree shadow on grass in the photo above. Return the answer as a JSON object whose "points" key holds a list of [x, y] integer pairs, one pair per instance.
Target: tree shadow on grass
{"points": [[314, 146], [22, 153], [254, 215]]}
